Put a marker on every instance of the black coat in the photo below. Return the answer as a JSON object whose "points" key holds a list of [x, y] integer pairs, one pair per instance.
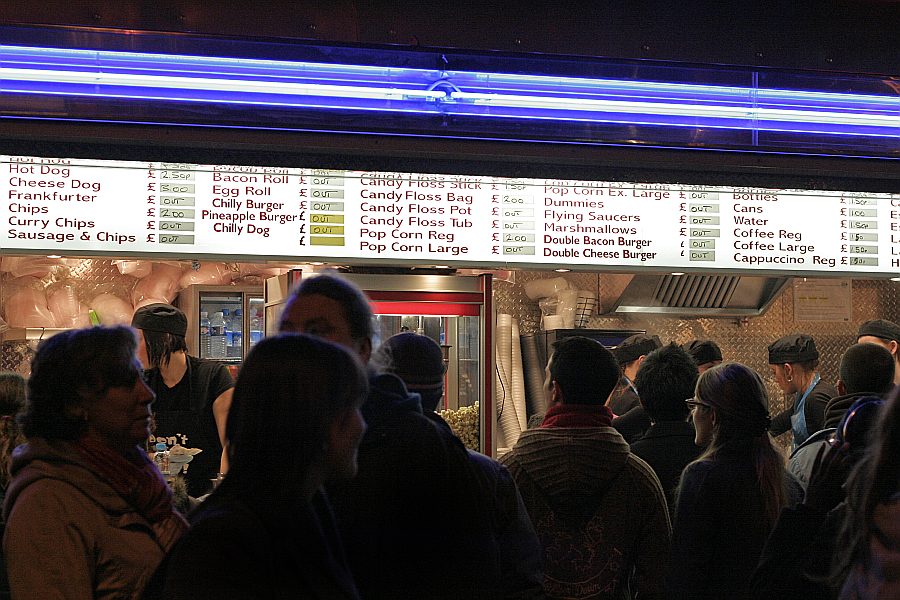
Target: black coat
{"points": [[259, 547], [719, 528], [668, 447], [411, 520]]}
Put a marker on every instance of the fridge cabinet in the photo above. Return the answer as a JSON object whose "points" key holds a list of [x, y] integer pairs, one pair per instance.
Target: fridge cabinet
{"points": [[242, 316]]}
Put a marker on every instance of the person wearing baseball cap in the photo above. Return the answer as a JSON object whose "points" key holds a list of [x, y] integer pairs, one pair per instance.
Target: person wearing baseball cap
{"points": [[193, 395], [884, 333], [794, 360]]}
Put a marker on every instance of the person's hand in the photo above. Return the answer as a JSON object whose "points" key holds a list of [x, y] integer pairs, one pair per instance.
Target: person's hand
{"points": [[829, 472]]}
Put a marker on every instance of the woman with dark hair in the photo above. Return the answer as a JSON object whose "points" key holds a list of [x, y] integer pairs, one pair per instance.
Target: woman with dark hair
{"points": [[267, 531], [871, 534], [88, 515], [729, 498]]}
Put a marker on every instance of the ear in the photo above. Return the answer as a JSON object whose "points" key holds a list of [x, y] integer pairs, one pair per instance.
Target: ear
{"points": [[556, 394], [840, 387], [788, 371], [364, 349]]}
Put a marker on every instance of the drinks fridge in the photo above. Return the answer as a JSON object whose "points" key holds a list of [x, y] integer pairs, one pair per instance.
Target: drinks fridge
{"points": [[224, 322]]}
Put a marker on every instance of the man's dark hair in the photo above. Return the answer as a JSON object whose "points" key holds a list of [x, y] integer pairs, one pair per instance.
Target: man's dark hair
{"points": [[666, 379], [867, 368], [584, 369]]}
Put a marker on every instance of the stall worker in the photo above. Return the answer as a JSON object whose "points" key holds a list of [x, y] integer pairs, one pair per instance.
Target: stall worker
{"points": [[884, 333], [193, 395], [794, 360]]}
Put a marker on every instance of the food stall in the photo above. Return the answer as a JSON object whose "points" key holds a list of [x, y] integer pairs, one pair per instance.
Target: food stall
{"points": [[189, 151]]}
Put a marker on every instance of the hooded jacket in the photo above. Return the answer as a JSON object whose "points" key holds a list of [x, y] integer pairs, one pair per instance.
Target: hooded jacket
{"points": [[599, 511], [69, 534], [412, 511]]}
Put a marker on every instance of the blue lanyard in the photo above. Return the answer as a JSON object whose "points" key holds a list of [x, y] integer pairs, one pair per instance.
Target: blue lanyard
{"points": [[808, 390]]}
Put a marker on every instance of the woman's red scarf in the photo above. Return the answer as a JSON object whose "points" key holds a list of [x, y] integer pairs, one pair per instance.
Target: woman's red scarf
{"points": [[577, 415], [136, 479]]}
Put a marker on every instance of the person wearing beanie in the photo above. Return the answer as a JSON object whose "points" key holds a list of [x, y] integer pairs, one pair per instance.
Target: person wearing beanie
{"points": [[706, 353], [794, 360], [884, 333], [193, 395], [419, 362]]}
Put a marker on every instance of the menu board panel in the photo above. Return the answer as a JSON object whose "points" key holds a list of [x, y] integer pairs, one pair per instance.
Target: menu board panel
{"points": [[97, 206]]}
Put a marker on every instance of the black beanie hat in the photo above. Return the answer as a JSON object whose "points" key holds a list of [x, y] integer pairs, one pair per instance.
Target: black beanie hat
{"points": [[636, 346], [794, 348], [703, 351], [417, 360], [163, 318], [880, 328]]}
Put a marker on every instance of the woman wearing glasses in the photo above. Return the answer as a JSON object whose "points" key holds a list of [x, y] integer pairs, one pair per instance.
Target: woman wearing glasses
{"points": [[729, 498]]}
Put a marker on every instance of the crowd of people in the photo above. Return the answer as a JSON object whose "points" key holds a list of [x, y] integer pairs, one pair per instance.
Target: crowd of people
{"points": [[653, 473]]}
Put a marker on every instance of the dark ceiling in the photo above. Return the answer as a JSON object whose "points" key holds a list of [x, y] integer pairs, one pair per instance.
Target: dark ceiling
{"points": [[833, 35]]}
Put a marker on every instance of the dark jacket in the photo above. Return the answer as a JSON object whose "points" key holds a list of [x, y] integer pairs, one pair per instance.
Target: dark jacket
{"points": [[623, 398], [633, 424], [719, 528], [599, 511], [259, 547], [814, 411], [411, 520], [796, 560], [668, 447], [518, 544]]}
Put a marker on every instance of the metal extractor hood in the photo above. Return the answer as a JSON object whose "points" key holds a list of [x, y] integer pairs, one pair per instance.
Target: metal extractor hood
{"points": [[698, 295]]}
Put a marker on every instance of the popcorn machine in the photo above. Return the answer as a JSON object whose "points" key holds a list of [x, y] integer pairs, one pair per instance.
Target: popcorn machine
{"points": [[455, 311]]}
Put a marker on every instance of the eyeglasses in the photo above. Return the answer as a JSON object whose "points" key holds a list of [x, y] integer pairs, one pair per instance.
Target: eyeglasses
{"points": [[694, 403]]}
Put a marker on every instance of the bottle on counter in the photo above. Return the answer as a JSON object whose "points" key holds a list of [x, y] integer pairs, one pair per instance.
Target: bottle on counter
{"points": [[217, 343], [226, 316], [256, 332], [161, 457], [236, 349], [204, 334]]}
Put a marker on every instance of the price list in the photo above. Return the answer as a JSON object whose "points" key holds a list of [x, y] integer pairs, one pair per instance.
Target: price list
{"points": [[75, 205]]}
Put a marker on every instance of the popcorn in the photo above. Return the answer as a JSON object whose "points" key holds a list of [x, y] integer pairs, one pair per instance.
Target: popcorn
{"points": [[464, 423]]}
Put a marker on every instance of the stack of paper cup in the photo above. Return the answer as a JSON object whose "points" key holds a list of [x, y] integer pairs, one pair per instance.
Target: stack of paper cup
{"points": [[552, 322]]}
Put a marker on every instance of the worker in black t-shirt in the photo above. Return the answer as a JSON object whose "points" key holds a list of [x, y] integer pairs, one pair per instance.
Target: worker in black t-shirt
{"points": [[193, 395]]}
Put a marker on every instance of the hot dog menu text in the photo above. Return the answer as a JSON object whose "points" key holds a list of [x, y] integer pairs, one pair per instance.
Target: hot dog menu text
{"points": [[76, 205]]}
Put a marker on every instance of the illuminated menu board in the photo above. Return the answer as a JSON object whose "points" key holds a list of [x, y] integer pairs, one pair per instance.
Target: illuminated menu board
{"points": [[96, 206]]}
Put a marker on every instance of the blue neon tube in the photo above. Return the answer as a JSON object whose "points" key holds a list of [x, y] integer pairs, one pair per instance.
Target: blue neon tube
{"points": [[340, 87]]}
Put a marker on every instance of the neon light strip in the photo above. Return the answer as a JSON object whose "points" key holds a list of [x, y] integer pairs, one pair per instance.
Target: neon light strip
{"points": [[219, 80]]}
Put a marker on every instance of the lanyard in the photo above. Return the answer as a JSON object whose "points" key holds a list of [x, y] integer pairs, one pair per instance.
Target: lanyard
{"points": [[808, 390], [631, 385]]}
